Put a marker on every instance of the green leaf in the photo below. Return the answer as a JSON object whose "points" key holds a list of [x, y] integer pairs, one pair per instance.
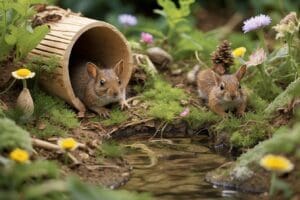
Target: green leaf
{"points": [[10, 39], [28, 41], [172, 13]]}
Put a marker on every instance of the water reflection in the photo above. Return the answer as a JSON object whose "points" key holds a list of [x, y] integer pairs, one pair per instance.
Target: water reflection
{"points": [[179, 173]]}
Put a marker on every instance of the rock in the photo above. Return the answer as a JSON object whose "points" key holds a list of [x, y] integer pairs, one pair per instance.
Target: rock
{"points": [[25, 104], [159, 57], [243, 179]]}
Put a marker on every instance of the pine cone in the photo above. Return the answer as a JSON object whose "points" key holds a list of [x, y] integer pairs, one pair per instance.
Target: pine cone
{"points": [[222, 56]]}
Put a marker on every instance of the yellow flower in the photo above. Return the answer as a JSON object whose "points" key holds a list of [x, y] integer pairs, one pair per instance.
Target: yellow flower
{"points": [[276, 163], [23, 74], [19, 155], [239, 52], [67, 144]]}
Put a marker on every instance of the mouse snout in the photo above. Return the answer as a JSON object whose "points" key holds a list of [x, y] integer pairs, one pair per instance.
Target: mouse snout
{"points": [[233, 96], [114, 93]]}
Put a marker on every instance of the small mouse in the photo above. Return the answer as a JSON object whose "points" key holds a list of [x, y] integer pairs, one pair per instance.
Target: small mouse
{"points": [[97, 87], [223, 93]]}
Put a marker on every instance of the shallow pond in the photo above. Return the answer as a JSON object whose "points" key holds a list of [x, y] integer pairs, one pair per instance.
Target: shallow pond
{"points": [[179, 172]]}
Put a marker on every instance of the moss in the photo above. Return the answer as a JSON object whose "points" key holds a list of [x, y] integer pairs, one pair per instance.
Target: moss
{"points": [[50, 130], [166, 111], [284, 98], [116, 117], [247, 131], [237, 139], [63, 117], [54, 114], [199, 117], [163, 100], [163, 91], [110, 149], [284, 141], [12, 136]]}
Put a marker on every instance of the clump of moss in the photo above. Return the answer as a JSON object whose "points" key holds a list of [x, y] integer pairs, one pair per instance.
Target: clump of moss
{"points": [[12, 136], [164, 100], [247, 131], [199, 117], [48, 129], [55, 117], [284, 141], [162, 91], [63, 117], [116, 117], [111, 149], [166, 111]]}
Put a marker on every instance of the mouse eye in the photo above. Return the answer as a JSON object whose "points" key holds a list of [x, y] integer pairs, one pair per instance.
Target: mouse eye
{"points": [[102, 82], [222, 87]]}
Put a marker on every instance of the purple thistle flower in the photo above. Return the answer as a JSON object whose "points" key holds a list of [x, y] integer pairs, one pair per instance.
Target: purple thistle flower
{"points": [[127, 20], [256, 22]]}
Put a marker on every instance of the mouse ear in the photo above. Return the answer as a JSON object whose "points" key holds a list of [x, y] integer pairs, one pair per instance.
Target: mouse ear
{"points": [[119, 68], [91, 69], [217, 78], [241, 72]]}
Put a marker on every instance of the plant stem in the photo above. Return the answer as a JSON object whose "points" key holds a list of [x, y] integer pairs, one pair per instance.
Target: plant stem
{"points": [[272, 186], [12, 83], [261, 37], [291, 55], [24, 83]]}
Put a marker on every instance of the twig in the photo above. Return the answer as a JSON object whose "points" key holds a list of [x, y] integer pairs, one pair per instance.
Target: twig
{"points": [[94, 167], [130, 124], [44, 144], [49, 146], [74, 160]]}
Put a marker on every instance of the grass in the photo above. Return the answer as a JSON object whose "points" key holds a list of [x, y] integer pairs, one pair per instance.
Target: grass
{"points": [[116, 117]]}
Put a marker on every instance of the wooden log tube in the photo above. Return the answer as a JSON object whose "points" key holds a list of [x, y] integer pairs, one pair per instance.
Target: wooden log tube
{"points": [[74, 36]]}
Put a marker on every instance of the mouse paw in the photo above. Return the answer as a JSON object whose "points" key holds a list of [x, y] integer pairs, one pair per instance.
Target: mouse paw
{"points": [[240, 113], [124, 105], [103, 112]]}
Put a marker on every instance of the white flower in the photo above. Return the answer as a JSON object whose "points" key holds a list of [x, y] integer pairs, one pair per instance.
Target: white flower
{"points": [[257, 57], [23, 74]]}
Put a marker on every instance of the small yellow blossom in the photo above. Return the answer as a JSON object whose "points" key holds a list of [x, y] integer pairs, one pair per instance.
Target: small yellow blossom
{"points": [[239, 52], [276, 163], [19, 155], [67, 144], [23, 74]]}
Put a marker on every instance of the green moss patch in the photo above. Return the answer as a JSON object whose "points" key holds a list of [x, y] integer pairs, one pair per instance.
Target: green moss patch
{"points": [[53, 116], [164, 100], [116, 117]]}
